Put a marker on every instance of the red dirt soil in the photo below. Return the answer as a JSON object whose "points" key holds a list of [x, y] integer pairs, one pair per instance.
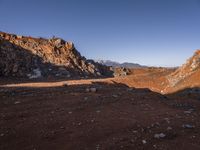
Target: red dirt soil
{"points": [[62, 115]]}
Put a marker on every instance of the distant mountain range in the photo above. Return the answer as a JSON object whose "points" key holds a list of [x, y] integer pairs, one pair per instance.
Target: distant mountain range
{"points": [[117, 64]]}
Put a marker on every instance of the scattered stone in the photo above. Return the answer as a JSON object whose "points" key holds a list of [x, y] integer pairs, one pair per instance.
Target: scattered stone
{"points": [[187, 126], [160, 135], [130, 89], [135, 131], [115, 96], [1, 134], [155, 124], [69, 112], [144, 141], [93, 90], [52, 112], [98, 111], [169, 128], [87, 90], [17, 102], [193, 136], [36, 74], [167, 120], [97, 147], [187, 112], [85, 98]]}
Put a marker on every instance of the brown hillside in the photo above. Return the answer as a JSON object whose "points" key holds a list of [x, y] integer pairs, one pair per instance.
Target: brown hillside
{"points": [[22, 56], [188, 75]]}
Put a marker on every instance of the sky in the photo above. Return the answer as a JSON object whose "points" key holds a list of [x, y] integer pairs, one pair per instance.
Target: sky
{"points": [[149, 32]]}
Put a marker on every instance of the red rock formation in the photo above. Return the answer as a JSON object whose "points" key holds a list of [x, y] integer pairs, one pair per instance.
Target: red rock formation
{"points": [[35, 57]]}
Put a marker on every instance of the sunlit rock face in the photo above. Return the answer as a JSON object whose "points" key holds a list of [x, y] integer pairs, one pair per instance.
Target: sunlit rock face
{"points": [[30, 57], [191, 66]]}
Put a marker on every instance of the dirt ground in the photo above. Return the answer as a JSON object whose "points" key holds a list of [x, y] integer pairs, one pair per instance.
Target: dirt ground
{"points": [[97, 114]]}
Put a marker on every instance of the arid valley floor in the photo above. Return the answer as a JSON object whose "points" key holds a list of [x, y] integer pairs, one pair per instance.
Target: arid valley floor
{"points": [[90, 114]]}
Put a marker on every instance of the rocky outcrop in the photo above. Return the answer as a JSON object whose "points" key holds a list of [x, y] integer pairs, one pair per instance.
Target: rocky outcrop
{"points": [[190, 67], [22, 56], [121, 71]]}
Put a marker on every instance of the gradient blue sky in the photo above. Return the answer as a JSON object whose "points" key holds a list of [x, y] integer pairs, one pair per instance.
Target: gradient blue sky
{"points": [[149, 32]]}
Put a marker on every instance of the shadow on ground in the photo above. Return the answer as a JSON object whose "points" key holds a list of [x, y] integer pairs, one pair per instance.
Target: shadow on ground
{"points": [[113, 116]]}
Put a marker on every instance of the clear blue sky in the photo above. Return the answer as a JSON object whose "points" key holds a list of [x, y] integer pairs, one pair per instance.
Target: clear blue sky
{"points": [[149, 32]]}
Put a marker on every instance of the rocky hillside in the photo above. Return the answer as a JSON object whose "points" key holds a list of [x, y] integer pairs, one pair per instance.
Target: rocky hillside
{"points": [[22, 56], [186, 71]]}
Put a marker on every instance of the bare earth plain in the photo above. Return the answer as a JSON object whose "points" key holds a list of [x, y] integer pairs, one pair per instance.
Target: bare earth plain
{"points": [[121, 113]]}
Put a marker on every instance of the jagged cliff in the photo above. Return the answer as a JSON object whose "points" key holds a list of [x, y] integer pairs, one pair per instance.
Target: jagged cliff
{"points": [[30, 57]]}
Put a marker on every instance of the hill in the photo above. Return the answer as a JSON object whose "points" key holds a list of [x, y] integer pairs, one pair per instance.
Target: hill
{"points": [[186, 76], [30, 57]]}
